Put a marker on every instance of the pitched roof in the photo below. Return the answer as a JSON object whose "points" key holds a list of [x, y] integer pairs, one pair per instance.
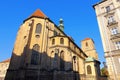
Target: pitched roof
{"points": [[39, 13], [86, 39], [7, 60]]}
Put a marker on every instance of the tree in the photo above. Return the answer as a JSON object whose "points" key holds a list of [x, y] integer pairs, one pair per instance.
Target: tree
{"points": [[104, 72]]}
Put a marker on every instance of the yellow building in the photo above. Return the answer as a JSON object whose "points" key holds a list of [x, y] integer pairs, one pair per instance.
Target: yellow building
{"points": [[43, 51], [3, 68], [108, 16]]}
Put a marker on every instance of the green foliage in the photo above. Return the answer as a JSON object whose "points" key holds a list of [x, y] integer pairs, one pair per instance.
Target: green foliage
{"points": [[104, 72]]}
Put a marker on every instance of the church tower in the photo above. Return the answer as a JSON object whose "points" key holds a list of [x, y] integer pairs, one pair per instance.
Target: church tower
{"points": [[89, 48]]}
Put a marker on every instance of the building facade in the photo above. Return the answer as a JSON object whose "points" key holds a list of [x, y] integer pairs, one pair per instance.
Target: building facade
{"points": [[3, 68], [108, 16], [43, 51]]}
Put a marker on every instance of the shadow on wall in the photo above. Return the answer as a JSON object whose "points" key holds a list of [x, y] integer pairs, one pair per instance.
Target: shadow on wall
{"points": [[33, 65]]}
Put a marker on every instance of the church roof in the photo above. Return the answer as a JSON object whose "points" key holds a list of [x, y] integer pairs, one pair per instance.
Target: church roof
{"points": [[38, 13], [7, 60], [86, 39]]}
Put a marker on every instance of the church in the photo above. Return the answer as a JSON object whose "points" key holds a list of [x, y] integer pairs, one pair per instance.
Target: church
{"points": [[42, 51]]}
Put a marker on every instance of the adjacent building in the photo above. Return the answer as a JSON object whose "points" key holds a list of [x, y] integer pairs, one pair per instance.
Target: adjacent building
{"points": [[3, 68], [42, 51], [108, 16]]}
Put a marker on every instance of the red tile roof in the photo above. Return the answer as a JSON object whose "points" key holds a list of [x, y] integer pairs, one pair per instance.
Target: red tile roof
{"points": [[86, 39], [7, 60], [39, 13]]}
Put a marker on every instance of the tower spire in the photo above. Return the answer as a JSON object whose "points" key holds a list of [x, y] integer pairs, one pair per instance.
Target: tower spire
{"points": [[61, 25]]}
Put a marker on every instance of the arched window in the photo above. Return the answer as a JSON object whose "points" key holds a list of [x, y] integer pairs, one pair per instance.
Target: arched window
{"points": [[51, 59], [62, 62], [53, 41], [74, 63], [89, 71], [35, 54], [38, 28], [61, 41]]}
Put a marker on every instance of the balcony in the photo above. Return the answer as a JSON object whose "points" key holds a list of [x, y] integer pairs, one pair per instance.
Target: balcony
{"points": [[112, 23], [115, 36]]}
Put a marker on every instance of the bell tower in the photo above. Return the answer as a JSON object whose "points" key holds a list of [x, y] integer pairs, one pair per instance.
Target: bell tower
{"points": [[89, 48]]}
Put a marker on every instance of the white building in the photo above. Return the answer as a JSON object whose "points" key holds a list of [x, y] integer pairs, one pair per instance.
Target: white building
{"points": [[108, 16]]}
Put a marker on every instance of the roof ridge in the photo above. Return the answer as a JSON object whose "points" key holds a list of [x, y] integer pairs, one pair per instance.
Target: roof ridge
{"points": [[38, 13]]}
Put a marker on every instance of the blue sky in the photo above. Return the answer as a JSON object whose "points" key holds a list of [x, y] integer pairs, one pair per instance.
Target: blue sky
{"points": [[79, 20]]}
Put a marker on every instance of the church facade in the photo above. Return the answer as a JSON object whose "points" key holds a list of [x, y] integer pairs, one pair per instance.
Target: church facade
{"points": [[43, 51]]}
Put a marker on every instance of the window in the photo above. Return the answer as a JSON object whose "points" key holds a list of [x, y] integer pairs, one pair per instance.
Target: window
{"points": [[61, 41], [89, 71], [53, 41], [55, 33], [107, 8], [62, 62], [114, 31], [35, 54], [74, 59], [86, 44], [38, 28], [110, 19], [117, 45]]}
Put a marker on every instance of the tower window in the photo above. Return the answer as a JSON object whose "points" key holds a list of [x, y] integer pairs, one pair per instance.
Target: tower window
{"points": [[53, 41], [89, 71], [86, 44], [61, 41], [38, 28], [35, 54]]}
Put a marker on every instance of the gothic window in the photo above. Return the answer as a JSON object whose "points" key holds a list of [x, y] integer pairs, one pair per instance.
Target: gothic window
{"points": [[35, 54], [38, 28], [61, 41], [117, 45], [89, 71], [53, 41], [62, 62], [114, 31]]}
